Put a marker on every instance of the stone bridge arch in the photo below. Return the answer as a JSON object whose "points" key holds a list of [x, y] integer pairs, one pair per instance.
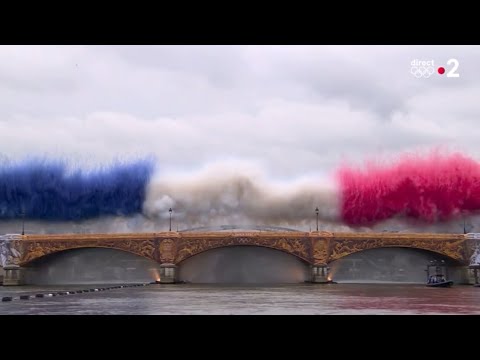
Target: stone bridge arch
{"points": [[298, 245], [356, 251], [37, 254], [32, 248], [451, 246]]}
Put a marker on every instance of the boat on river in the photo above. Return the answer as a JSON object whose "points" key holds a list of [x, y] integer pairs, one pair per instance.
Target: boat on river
{"points": [[438, 281]]}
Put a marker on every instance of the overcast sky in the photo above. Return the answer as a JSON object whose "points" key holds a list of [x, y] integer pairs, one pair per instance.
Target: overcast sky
{"points": [[293, 110]]}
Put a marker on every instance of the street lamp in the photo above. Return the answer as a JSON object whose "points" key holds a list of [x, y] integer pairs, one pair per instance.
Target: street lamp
{"points": [[23, 222], [466, 227], [170, 211], [316, 211], [22, 214]]}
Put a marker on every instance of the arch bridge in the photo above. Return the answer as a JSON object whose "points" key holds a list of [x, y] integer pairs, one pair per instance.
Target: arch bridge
{"points": [[171, 248]]}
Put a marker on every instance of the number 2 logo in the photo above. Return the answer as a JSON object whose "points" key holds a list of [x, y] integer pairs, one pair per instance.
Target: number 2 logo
{"points": [[453, 70]]}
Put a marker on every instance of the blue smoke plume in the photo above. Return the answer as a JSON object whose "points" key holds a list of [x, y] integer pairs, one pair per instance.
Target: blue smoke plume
{"points": [[49, 190]]}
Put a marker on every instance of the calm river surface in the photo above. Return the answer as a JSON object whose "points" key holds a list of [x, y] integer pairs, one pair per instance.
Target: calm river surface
{"points": [[269, 299]]}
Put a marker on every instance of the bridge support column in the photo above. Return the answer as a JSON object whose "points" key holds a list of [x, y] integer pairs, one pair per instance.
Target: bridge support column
{"points": [[474, 274], [168, 273], [14, 275], [320, 274]]}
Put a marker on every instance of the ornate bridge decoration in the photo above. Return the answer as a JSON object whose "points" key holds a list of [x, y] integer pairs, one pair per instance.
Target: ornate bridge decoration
{"points": [[316, 248], [450, 245], [298, 244]]}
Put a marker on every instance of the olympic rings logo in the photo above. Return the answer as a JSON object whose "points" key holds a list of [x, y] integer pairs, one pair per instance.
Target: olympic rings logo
{"points": [[420, 71]]}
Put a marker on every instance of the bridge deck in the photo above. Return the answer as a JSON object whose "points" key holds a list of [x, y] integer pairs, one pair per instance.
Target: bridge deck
{"points": [[287, 234]]}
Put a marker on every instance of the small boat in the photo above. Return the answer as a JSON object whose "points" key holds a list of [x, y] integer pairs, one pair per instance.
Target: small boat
{"points": [[439, 281], [320, 282], [447, 283]]}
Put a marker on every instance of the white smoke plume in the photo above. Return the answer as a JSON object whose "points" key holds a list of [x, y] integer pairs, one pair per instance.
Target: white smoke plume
{"points": [[238, 193]]}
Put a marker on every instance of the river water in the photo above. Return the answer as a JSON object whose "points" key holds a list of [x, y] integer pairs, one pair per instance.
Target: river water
{"points": [[305, 299]]}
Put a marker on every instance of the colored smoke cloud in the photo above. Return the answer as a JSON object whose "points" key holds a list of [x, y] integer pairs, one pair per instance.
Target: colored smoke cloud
{"points": [[434, 188], [50, 190], [240, 194]]}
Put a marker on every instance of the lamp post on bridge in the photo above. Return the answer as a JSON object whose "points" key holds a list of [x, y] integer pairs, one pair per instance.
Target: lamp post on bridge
{"points": [[22, 213], [466, 227], [317, 211], [170, 227]]}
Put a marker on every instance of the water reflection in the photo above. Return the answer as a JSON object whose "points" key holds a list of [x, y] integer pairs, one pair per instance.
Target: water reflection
{"points": [[278, 299]]}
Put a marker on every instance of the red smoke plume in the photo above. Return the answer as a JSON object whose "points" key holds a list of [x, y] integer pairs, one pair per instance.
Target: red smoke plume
{"points": [[436, 187]]}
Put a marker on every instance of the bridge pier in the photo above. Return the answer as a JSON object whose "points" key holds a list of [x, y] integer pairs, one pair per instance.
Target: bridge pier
{"points": [[168, 273], [319, 273], [474, 274], [14, 275]]}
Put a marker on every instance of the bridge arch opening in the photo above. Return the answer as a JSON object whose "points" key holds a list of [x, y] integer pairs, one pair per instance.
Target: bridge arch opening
{"points": [[90, 266], [391, 265], [244, 264]]}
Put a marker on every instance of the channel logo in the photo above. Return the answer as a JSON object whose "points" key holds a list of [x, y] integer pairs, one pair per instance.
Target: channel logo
{"points": [[426, 68]]}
